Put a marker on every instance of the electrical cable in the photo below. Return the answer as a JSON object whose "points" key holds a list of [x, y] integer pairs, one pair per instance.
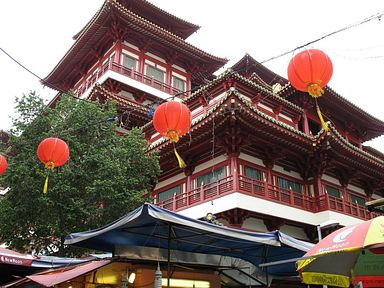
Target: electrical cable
{"points": [[377, 15]]}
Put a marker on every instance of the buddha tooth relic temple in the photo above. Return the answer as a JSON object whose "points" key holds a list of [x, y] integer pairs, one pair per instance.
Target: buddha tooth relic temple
{"points": [[256, 154]]}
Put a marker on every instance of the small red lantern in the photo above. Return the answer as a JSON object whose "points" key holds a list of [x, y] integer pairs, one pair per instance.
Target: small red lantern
{"points": [[309, 71], [3, 164], [172, 120], [53, 152]]}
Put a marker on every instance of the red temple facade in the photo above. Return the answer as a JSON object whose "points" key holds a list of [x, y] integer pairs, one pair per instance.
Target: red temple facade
{"points": [[256, 155]]}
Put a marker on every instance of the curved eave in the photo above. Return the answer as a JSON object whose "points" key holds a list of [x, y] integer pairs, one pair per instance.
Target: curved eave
{"points": [[150, 29], [300, 139], [229, 74], [184, 28], [373, 125], [336, 100], [250, 65], [138, 109], [95, 30], [350, 151]]}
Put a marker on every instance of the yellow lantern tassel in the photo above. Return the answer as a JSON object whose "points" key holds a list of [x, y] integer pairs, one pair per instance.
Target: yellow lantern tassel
{"points": [[45, 189], [315, 90], [179, 159], [325, 126]]}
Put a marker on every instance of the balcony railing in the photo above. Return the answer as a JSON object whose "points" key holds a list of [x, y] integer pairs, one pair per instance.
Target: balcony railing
{"points": [[131, 73], [266, 191]]}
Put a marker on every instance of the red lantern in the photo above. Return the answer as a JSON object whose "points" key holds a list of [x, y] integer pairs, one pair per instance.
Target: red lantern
{"points": [[3, 164], [172, 120], [309, 71], [53, 152]]}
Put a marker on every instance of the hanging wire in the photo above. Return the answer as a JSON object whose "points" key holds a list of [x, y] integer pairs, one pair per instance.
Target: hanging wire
{"points": [[377, 15]]}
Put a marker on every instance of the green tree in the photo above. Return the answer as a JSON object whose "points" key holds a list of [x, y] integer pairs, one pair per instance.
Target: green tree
{"points": [[106, 176]]}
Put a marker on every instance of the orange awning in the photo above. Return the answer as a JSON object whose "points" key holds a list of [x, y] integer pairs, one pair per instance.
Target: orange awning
{"points": [[51, 278]]}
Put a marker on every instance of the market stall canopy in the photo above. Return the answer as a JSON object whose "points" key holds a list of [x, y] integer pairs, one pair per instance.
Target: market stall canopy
{"points": [[14, 258], [52, 277], [151, 226]]}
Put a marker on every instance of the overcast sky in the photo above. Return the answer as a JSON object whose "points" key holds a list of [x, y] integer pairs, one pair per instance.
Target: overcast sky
{"points": [[38, 33]]}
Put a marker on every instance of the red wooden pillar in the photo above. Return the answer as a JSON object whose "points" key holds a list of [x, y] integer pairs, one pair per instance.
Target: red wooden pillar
{"points": [[141, 63], [168, 76], [188, 171], [305, 123], [319, 191], [188, 85], [268, 176], [234, 164], [118, 50], [317, 186]]}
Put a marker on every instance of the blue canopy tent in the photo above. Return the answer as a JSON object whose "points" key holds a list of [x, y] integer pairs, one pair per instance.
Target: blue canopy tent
{"points": [[152, 227]]}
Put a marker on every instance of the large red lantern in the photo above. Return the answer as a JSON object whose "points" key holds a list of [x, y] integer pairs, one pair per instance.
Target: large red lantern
{"points": [[309, 71], [172, 120], [52, 152], [3, 164]]}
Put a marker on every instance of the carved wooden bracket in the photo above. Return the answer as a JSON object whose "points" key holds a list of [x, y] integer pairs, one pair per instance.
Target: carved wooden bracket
{"points": [[257, 98], [273, 224], [235, 217]]}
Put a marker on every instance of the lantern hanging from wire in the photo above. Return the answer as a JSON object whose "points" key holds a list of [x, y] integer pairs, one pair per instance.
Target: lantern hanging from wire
{"points": [[3, 164], [52, 152], [172, 120], [310, 71]]}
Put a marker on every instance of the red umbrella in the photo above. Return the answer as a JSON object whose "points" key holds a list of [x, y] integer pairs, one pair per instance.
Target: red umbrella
{"points": [[347, 256]]}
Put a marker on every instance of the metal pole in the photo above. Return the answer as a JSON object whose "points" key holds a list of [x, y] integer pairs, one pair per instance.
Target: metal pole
{"points": [[169, 256], [318, 233], [320, 237]]}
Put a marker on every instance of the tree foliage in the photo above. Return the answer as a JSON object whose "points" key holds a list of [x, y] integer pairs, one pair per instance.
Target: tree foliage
{"points": [[106, 176]]}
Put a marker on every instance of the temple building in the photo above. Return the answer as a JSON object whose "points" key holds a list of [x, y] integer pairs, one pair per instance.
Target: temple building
{"points": [[257, 156]]}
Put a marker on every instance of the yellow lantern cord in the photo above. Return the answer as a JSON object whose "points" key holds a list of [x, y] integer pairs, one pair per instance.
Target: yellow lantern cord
{"points": [[325, 126], [45, 189], [48, 165], [173, 136], [179, 159]]}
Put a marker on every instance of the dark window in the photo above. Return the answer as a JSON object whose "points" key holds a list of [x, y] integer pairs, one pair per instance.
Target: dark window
{"points": [[289, 185], [358, 200], [156, 73], [253, 173], [210, 177], [333, 191], [314, 127], [168, 194], [129, 62]]}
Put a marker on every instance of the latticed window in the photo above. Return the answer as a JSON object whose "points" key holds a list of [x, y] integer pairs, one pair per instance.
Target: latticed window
{"points": [[178, 83], [209, 177], [168, 194], [156, 73], [289, 185], [129, 62], [253, 173], [333, 191]]}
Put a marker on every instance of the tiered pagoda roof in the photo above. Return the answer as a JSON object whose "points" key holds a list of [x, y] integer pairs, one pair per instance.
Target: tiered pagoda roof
{"points": [[258, 134], [342, 112], [116, 21]]}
